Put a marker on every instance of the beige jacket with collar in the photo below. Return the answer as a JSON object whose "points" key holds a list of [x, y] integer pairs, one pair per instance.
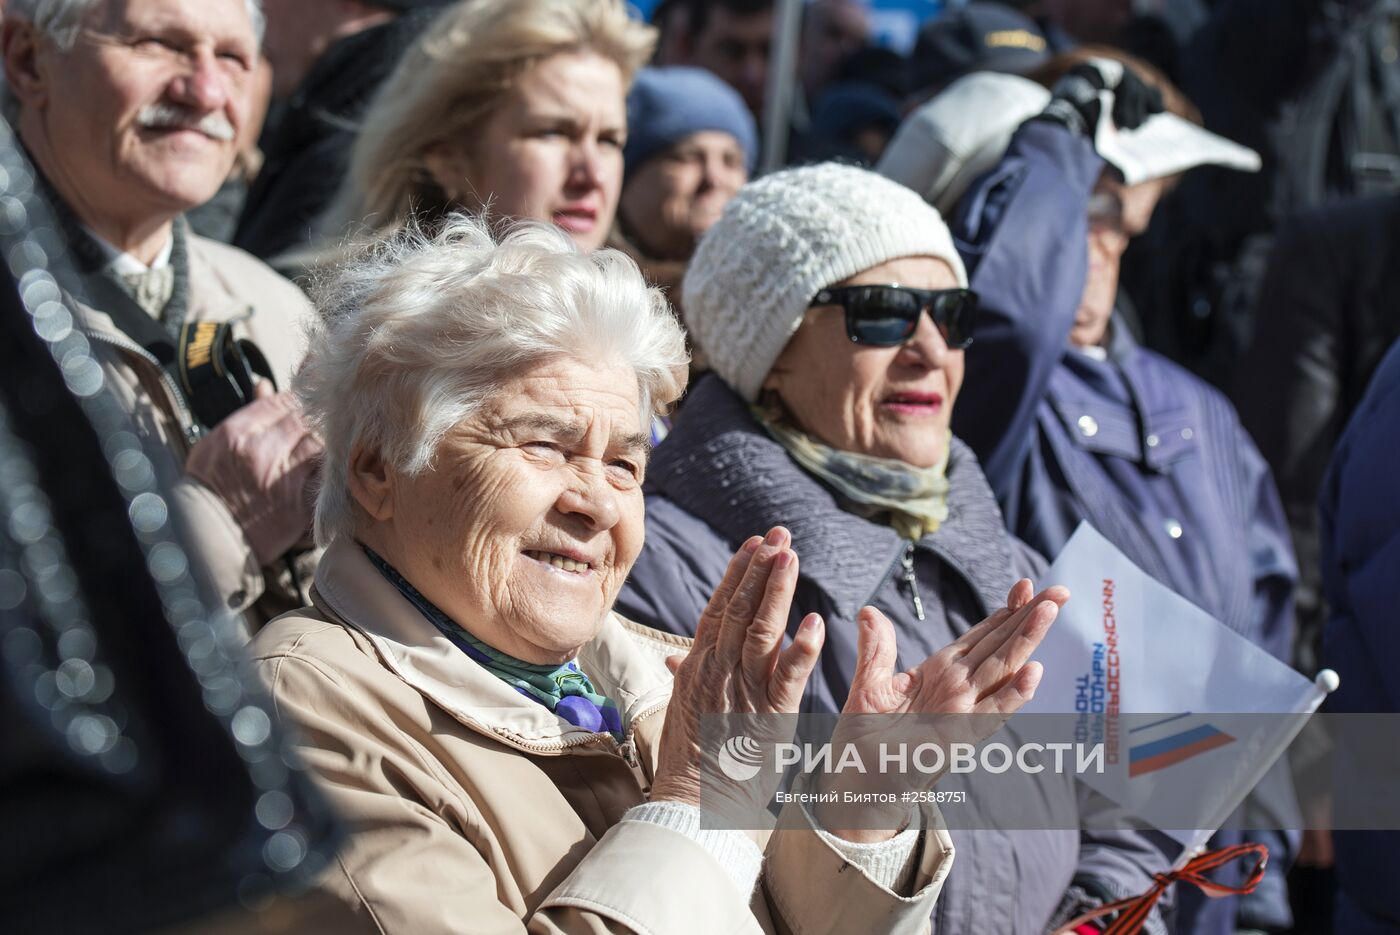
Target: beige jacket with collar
{"points": [[472, 809], [225, 284]]}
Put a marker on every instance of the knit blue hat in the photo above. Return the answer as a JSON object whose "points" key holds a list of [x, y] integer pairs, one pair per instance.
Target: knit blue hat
{"points": [[668, 104]]}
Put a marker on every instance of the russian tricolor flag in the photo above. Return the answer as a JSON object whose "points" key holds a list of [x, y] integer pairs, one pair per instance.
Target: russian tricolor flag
{"points": [[1188, 738]]}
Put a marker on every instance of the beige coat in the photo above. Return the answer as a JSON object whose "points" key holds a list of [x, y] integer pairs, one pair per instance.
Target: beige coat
{"points": [[472, 809], [226, 284]]}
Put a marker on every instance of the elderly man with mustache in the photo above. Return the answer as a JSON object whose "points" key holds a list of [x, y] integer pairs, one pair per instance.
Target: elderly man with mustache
{"points": [[130, 111]]}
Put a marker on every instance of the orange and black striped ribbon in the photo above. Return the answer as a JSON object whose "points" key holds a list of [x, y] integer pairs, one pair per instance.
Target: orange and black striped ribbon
{"points": [[1133, 912]]}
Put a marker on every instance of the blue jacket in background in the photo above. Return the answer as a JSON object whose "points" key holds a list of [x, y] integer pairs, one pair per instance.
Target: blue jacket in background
{"points": [[1149, 454], [1360, 507], [719, 478], [1146, 452]]}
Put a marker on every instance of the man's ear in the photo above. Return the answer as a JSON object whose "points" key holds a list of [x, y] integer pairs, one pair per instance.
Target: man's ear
{"points": [[371, 483], [24, 47]]}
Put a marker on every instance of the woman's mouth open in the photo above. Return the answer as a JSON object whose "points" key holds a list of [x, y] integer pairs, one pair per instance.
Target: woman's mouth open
{"points": [[563, 563], [576, 220], [913, 404]]}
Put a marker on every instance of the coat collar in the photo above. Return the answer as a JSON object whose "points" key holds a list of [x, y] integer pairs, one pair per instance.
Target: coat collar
{"points": [[204, 291], [719, 463], [625, 661]]}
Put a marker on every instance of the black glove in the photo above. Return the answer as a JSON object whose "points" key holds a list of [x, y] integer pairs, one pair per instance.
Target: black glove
{"points": [[1075, 101], [1134, 100]]}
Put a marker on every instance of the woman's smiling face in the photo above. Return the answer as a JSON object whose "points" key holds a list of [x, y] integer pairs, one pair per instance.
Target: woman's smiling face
{"points": [[530, 517], [889, 402]]}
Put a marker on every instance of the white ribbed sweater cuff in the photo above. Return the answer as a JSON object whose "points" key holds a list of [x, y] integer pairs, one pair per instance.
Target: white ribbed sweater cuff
{"points": [[889, 863], [736, 851]]}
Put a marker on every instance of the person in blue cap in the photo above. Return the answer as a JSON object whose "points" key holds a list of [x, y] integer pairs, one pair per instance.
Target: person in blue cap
{"points": [[691, 144]]}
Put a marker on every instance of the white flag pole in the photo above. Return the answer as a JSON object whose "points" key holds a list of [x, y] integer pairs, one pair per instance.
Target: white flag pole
{"points": [[1326, 682]]}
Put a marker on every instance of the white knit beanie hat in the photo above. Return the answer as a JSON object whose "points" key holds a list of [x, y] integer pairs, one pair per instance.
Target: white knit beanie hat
{"points": [[781, 240]]}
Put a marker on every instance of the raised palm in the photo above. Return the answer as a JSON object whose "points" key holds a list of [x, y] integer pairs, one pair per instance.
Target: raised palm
{"points": [[986, 671], [961, 694]]}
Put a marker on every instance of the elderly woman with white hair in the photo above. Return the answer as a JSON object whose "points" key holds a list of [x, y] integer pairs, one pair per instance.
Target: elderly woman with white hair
{"points": [[507, 753]]}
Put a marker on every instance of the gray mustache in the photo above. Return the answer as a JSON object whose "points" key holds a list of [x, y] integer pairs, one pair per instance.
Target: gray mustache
{"points": [[168, 116]]}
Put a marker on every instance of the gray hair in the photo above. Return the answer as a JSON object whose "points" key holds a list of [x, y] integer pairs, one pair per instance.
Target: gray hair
{"points": [[419, 331], [61, 20]]}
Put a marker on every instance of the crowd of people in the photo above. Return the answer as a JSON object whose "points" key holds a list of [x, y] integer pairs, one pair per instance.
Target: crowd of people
{"points": [[560, 426]]}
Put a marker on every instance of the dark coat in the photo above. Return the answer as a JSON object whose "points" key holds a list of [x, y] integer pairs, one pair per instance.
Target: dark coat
{"points": [[1149, 454], [1360, 554], [1327, 314], [1272, 76], [306, 152], [719, 477]]}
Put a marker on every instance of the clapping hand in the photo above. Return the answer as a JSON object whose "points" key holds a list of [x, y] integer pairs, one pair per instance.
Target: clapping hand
{"points": [[985, 671], [737, 664], [980, 680]]}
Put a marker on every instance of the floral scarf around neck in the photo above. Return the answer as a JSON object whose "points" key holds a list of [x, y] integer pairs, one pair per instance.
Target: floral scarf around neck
{"points": [[564, 689], [914, 500]]}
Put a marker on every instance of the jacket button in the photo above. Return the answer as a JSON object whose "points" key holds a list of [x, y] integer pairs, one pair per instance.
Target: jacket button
{"points": [[1089, 426], [1173, 528], [1186, 434], [1153, 441]]}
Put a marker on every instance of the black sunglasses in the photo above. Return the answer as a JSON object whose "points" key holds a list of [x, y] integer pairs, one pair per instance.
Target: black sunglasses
{"points": [[886, 316]]}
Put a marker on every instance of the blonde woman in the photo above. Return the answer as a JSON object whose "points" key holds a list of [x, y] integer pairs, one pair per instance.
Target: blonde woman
{"points": [[514, 108]]}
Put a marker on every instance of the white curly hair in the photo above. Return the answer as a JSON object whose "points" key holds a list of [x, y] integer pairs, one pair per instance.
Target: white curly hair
{"points": [[420, 330]]}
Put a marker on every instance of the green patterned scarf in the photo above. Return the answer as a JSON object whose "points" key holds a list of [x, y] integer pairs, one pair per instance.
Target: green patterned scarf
{"points": [[565, 690], [913, 500]]}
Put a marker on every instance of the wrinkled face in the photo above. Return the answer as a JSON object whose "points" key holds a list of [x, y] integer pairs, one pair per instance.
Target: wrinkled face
{"points": [[551, 151], [674, 197], [527, 523], [1117, 213], [735, 47], [890, 402], [140, 119]]}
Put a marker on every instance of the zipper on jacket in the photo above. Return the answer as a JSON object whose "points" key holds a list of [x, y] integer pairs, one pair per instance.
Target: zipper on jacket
{"points": [[628, 746], [911, 581], [188, 426]]}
